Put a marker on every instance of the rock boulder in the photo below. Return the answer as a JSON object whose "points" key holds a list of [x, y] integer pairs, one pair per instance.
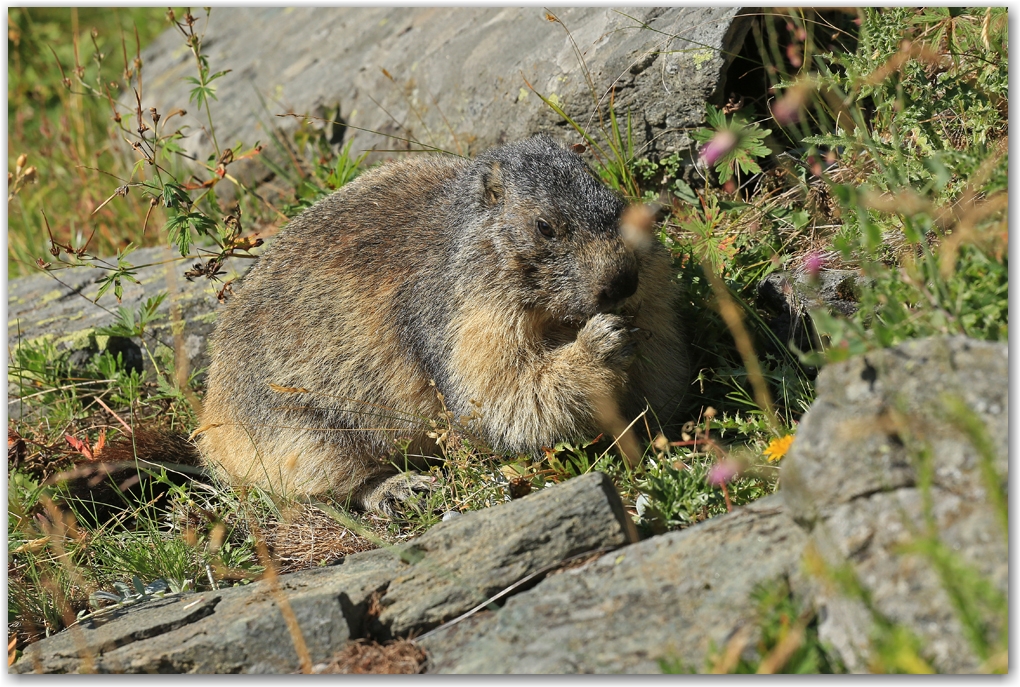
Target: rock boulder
{"points": [[453, 78], [855, 479]]}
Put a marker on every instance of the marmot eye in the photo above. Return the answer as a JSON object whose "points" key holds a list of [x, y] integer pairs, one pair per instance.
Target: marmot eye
{"points": [[544, 228]]}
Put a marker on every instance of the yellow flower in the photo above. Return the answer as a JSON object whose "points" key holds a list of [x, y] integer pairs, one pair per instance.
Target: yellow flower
{"points": [[778, 447]]}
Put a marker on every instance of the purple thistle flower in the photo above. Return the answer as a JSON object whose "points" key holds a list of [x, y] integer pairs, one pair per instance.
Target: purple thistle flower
{"points": [[813, 263]]}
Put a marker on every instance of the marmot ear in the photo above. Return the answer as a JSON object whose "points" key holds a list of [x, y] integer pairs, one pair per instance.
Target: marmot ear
{"points": [[492, 185]]}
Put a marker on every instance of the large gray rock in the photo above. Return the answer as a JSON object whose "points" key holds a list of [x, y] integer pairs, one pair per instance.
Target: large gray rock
{"points": [[453, 78], [853, 480], [395, 590], [670, 597]]}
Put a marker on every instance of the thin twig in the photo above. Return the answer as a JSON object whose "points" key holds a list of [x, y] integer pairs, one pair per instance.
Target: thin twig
{"points": [[115, 415], [290, 619], [730, 313]]}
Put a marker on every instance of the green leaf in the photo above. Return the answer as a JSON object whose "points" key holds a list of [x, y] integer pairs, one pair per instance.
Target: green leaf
{"points": [[685, 192], [104, 285], [218, 75], [178, 232], [170, 146], [202, 95], [203, 224], [147, 312], [174, 196]]}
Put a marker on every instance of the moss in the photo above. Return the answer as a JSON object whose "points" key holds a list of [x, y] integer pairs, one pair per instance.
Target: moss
{"points": [[50, 296], [700, 57]]}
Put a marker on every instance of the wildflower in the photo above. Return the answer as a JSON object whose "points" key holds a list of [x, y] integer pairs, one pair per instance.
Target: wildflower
{"points": [[722, 472], [786, 110], [795, 54], [778, 447], [723, 142], [813, 263]]}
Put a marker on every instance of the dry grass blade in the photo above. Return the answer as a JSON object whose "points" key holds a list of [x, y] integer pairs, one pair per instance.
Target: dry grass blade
{"points": [[730, 313], [65, 387], [272, 580], [728, 659], [909, 51], [903, 202], [116, 417], [780, 655], [609, 419], [34, 546]]}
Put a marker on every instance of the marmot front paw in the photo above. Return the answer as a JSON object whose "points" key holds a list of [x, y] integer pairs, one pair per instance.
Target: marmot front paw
{"points": [[608, 339]]}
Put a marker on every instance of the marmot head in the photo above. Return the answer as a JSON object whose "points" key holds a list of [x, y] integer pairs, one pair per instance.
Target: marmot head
{"points": [[554, 229]]}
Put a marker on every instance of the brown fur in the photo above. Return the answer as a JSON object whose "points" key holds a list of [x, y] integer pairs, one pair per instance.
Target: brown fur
{"points": [[435, 269]]}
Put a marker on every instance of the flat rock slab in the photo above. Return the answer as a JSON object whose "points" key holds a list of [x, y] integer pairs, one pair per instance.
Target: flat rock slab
{"points": [[853, 478], [60, 306], [452, 568], [669, 597], [453, 78], [467, 560], [237, 630]]}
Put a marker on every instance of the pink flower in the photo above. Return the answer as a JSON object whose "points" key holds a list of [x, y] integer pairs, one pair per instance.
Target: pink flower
{"points": [[722, 472], [786, 110], [723, 142], [813, 263], [795, 54]]}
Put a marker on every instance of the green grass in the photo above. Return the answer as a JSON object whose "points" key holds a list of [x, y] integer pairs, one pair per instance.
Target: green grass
{"points": [[90, 173], [65, 134], [909, 190]]}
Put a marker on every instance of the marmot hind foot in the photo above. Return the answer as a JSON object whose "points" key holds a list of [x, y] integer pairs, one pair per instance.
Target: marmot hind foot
{"points": [[386, 496]]}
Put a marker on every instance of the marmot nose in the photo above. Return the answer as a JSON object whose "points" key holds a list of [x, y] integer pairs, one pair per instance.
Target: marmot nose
{"points": [[623, 285]]}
